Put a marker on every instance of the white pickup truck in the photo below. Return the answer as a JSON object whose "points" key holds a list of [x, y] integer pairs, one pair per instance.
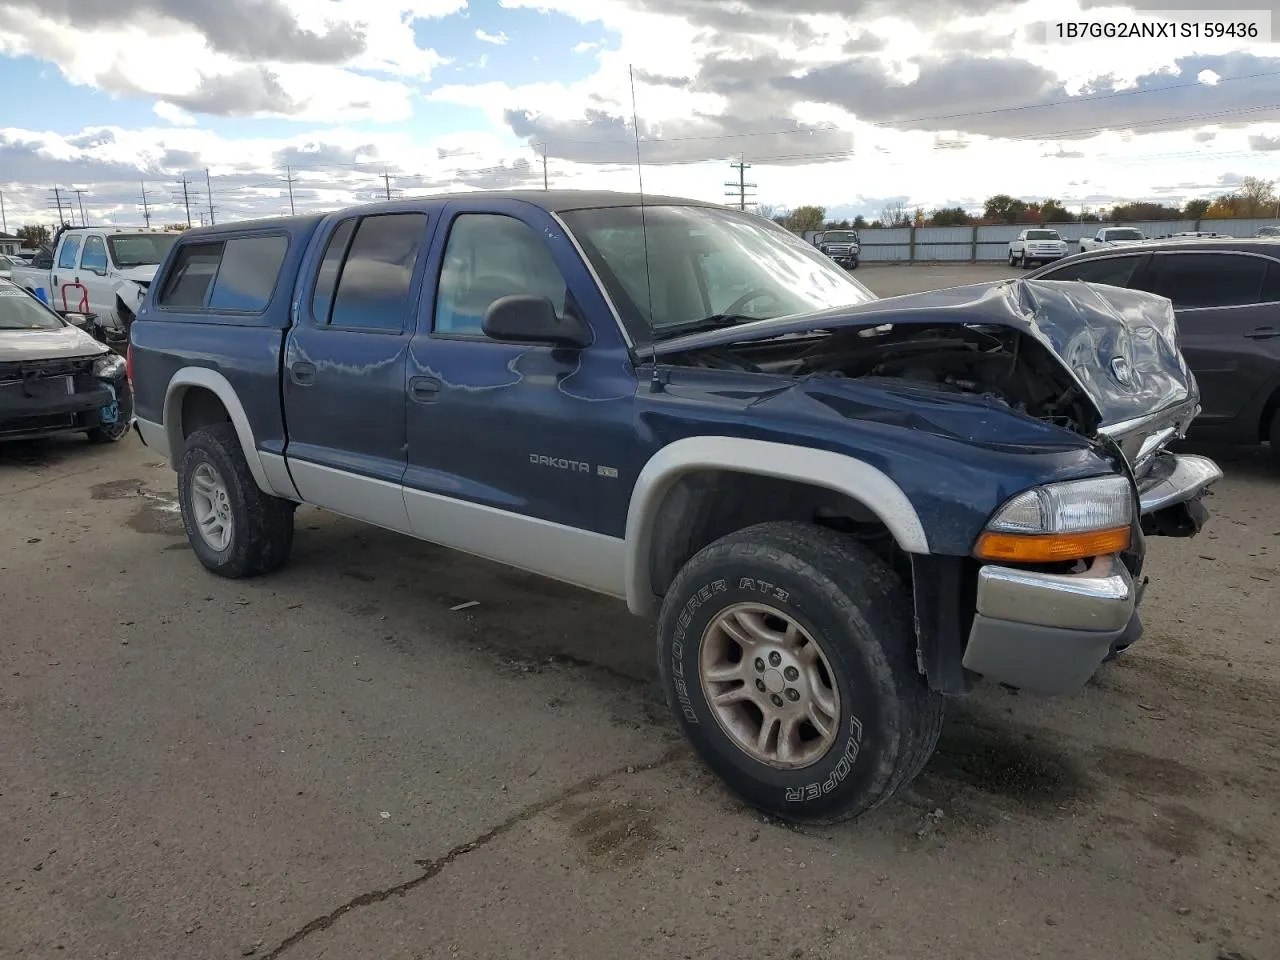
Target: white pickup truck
{"points": [[102, 271], [1112, 237]]}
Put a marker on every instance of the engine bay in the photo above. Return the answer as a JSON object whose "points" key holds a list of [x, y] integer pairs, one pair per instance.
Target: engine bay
{"points": [[995, 362]]}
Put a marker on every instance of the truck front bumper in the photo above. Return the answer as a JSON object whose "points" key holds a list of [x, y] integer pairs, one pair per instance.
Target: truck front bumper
{"points": [[1048, 632]]}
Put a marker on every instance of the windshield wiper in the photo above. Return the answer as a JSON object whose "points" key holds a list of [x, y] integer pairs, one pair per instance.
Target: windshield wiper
{"points": [[716, 321]]}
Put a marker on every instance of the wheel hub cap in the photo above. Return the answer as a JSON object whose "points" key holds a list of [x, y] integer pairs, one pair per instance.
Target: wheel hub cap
{"points": [[769, 685], [211, 506]]}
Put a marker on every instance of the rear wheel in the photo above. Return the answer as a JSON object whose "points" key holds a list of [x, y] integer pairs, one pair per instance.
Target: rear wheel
{"points": [[235, 529], [788, 656], [1275, 436]]}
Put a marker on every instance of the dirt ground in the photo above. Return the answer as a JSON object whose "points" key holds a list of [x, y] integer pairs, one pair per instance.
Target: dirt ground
{"points": [[333, 762]]}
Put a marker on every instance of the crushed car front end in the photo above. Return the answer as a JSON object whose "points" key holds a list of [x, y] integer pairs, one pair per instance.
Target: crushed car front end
{"points": [[1029, 422]]}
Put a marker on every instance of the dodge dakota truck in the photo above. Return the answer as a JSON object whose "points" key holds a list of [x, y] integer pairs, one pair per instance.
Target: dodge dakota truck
{"points": [[840, 510], [98, 271]]}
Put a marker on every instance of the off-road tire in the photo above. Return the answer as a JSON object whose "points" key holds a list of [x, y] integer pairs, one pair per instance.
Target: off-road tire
{"points": [[112, 432], [262, 525], [853, 264], [858, 610]]}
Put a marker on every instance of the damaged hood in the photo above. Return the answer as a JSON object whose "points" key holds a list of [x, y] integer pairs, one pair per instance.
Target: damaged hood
{"points": [[59, 344], [140, 275], [1121, 346]]}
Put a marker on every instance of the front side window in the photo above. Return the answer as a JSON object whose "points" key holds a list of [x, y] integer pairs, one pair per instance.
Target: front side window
{"points": [[686, 267], [375, 278], [95, 255], [1113, 271], [490, 256], [67, 256], [1197, 280]]}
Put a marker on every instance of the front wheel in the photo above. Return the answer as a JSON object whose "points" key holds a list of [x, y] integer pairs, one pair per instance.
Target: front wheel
{"points": [[1013, 261], [235, 529], [788, 656]]}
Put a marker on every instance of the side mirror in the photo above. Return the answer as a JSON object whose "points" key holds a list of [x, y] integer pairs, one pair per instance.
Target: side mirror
{"points": [[528, 319]]}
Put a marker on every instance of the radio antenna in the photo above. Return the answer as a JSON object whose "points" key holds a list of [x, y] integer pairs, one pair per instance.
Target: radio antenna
{"points": [[644, 228]]}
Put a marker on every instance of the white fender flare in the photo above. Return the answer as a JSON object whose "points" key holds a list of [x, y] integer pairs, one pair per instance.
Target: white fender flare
{"points": [[855, 478], [189, 377]]}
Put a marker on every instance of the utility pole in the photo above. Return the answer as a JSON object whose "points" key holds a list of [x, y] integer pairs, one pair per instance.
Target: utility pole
{"points": [[186, 201], [288, 178], [740, 188], [4, 222], [544, 166], [146, 210], [386, 178], [57, 199], [80, 200], [209, 188]]}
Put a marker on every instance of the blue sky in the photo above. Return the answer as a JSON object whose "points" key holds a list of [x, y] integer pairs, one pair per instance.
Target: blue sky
{"points": [[904, 98]]}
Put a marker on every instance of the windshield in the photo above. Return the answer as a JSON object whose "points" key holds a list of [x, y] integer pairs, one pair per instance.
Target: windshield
{"points": [[141, 249], [1043, 235], [842, 236], [705, 262], [1124, 234], [21, 311]]}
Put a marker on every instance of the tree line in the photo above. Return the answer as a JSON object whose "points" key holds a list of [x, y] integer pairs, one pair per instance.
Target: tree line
{"points": [[1253, 197]]}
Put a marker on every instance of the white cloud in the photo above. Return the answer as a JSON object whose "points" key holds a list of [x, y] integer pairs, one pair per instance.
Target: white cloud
{"points": [[498, 38], [174, 115]]}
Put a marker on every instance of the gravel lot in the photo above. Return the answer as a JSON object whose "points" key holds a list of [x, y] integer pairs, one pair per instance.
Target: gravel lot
{"points": [[332, 762]]}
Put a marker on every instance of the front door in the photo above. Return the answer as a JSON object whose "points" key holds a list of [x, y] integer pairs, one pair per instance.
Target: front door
{"points": [[93, 275], [516, 451], [344, 366], [1230, 333], [67, 293]]}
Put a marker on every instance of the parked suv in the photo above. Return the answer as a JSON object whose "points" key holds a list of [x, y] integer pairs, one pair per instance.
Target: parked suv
{"points": [[840, 510], [1039, 245], [842, 246], [1226, 296]]}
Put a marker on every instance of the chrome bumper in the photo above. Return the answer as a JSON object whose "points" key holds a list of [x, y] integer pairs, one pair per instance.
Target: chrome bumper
{"points": [[1048, 632], [1175, 479]]}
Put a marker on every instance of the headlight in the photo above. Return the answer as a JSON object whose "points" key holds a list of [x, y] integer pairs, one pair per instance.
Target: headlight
{"points": [[1061, 521], [108, 368]]}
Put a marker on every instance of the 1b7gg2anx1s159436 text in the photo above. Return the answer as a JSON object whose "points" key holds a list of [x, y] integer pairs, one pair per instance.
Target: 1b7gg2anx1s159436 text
{"points": [[1178, 26]]}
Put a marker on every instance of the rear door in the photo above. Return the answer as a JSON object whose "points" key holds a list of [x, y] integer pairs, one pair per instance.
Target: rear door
{"points": [[1229, 323], [344, 365], [66, 293]]}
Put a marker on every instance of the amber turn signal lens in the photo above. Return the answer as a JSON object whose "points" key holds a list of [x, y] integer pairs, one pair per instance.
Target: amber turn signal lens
{"points": [[1050, 548]]}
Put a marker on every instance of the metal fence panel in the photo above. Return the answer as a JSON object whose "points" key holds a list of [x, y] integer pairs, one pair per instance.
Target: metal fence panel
{"points": [[991, 243]]}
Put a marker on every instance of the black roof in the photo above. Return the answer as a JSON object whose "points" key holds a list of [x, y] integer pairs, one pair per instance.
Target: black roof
{"points": [[1266, 245]]}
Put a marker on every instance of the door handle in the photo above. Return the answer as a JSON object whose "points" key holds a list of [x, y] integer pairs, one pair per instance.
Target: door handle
{"points": [[1263, 333], [424, 389], [302, 373]]}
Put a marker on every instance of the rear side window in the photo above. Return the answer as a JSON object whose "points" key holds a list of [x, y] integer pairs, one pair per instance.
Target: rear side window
{"points": [[234, 275], [1112, 271], [1271, 289], [67, 255], [327, 278], [1198, 280], [247, 275], [374, 279], [190, 276]]}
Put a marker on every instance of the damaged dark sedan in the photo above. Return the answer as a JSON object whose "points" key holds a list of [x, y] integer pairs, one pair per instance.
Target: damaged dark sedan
{"points": [[55, 378]]}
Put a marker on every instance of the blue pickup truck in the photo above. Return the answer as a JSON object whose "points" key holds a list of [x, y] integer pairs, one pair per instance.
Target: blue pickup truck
{"points": [[840, 510]]}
